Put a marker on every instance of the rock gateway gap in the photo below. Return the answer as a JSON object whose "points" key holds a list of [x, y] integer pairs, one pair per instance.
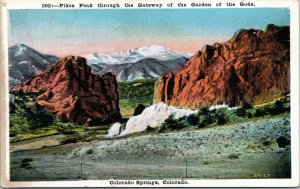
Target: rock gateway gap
{"points": [[69, 90], [254, 65]]}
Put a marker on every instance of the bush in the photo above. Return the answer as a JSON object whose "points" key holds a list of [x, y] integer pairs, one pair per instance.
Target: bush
{"points": [[89, 151], [205, 117], [193, 119], [70, 139], [247, 105], [25, 115], [221, 115], [250, 113], [233, 156], [242, 111], [277, 108], [172, 123], [150, 129], [64, 128], [221, 120], [18, 123]]}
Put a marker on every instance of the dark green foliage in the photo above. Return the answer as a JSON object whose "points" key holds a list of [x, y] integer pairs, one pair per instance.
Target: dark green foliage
{"points": [[280, 106], [90, 151], [64, 128], [245, 106], [205, 120], [70, 139], [136, 92], [25, 115], [139, 109], [18, 123], [241, 112], [233, 156], [221, 116], [206, 117], [267, 143], [277, 108], [221, 120], [193, 119], [172, 123], [150, 129], [40, 118], [282, 142]]}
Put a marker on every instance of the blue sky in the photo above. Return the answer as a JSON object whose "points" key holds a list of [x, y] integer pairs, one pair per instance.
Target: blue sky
{"points": [[63, 32]]}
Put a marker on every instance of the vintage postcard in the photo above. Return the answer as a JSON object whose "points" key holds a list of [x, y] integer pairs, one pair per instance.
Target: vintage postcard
{"points": [[116, 93]]}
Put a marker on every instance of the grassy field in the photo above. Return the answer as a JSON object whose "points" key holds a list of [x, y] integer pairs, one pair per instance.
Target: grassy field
{"points": [[134, 93]]}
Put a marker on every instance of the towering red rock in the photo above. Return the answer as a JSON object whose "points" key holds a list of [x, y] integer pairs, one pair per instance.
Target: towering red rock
{"points": [[69, 90], [254, 65]]}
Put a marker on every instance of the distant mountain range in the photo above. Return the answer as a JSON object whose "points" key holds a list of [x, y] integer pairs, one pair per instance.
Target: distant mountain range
{"points": [[140, 63], [25, 63]]}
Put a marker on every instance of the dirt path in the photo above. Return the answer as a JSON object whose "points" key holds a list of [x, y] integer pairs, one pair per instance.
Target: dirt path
{"points": [[244, 150], [36, 143]]}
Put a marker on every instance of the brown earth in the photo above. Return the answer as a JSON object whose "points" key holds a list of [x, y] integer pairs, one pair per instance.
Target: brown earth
{"points": [[254, 65], [69, 90]]}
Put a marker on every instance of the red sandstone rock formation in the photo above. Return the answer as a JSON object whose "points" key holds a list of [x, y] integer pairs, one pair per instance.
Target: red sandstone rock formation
{"points": [[69, 90], [252, 66]]}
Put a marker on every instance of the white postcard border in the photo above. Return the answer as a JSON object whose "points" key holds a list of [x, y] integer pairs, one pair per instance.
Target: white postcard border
{"points": [[293, 5]]}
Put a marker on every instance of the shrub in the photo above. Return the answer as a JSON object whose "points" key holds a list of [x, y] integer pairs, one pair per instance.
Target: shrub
{"points": [[25, 115], [259, 112], [267, 143], [282, 142], [233, 156], [203, 111], [277, 108], [247, 105], [205, 117], [205, 120], [19, 123], [193, 119], [172, 123], [70, 139], [89, 151], [221, 120], [150, 129], [250, 113], [64, 128], [206, 162], [221, 116], [241, 112]]}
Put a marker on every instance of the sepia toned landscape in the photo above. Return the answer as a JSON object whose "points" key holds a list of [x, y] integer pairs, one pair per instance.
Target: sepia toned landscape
{"points": [[150, 112]]}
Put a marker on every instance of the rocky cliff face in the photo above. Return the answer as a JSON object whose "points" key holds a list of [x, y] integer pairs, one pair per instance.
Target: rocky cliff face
{"points": [[252, 66], [69, 90]]}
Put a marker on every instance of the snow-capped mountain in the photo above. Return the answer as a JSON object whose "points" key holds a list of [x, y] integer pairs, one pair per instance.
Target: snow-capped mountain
{"points": [[25, 63], [135, 55], [144, 62]]}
